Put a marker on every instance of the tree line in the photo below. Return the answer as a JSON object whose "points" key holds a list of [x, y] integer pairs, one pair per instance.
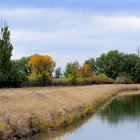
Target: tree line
{"points": [[114, 64], [108, 67]]}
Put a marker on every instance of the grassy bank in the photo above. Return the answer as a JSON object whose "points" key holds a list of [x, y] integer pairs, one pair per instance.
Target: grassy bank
{"points": [[31, 110]]}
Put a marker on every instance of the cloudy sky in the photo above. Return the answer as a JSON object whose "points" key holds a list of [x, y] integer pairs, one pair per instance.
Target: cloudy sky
{"points": [[70, 30]]}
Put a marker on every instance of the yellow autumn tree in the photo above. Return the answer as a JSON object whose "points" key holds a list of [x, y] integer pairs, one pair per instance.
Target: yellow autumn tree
{"points": [[84, 71], [103, 76], [42, 67], [87, 70]]}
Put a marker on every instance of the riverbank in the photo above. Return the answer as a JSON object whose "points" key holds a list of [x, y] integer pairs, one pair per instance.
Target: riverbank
{"points": [[130, 93], [28, 111]]}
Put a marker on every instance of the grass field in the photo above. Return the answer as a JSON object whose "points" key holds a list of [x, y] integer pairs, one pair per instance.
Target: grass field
{"points": [[30, 110]]}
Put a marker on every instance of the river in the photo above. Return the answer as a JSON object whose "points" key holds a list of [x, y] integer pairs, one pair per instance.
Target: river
{"points": [[120, 120]]}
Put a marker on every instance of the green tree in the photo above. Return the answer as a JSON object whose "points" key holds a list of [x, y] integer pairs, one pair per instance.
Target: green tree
{"points": [[20, 70], [23, 65], [71, 68], [58, 73], [16, 73], [5, 54], [128, 65], [137, 72], [110, 63]]}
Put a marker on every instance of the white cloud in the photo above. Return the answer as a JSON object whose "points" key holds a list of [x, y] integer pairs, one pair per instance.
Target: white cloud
{"points": [[77, 33]]}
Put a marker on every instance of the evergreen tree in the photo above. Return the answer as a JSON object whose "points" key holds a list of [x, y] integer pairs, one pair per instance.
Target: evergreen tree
{"points": [[5, 54], [58, 73]]}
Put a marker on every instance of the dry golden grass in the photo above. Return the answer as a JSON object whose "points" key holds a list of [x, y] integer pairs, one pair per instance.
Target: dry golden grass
{"points": [[17, 106]]}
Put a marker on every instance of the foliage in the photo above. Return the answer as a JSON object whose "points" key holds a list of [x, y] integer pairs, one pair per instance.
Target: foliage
{"points": [[84, 81], [42, 67], [61, 80], [5, 54], [71, 68], [124, 80], [58, 73], [87, 70], [101, 79], [124, 67], [19, 71], [80, 72], [129, 66], [23, 65], [16, 74], [92, 63], [137, 72], [114, 64], [80, 80], [72, 77], [110, 63], [32, 79], [84, 71]]}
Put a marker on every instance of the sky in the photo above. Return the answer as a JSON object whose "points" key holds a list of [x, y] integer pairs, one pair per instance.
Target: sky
{"points": [[70, 30]]}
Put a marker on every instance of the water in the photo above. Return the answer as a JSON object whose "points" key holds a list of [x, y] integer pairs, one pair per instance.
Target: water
{"points": [[120, 120]]}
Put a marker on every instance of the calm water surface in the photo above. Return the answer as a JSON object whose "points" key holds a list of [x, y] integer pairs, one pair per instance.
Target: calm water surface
{"points": [[120, 120]]}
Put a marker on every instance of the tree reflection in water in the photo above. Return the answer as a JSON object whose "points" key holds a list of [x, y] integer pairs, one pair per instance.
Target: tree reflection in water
{"points": [[124, 108]]}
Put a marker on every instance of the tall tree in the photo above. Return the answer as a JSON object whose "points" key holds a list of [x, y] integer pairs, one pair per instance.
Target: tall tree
{"points": [[137, 72], [17, 75], [42, 67], [110, 63], [19, 70], [128, 65], [87, 71], [23, 65], [71, 68], [58, 73], [5, 54]]}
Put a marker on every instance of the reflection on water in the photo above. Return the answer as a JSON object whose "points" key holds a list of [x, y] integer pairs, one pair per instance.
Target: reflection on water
{"points": [[62, 131], [120, 120], [125, 108]]}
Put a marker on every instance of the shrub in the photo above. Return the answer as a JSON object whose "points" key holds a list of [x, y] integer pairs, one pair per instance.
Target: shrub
{"points": [[72, 78], [102, 79], [32, 79], [124, 80], [80, 80], [61, 80], [86, 81]]}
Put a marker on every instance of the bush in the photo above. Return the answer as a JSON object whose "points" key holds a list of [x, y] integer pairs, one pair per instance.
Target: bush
{"points": [[93, 80], [124, 80], [32, 79], [61, 80], [72, 78], [80, 80], [86, 81]]}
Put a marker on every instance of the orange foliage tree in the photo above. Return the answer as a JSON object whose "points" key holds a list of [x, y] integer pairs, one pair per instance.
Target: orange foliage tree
{"points": [[85, 71], [80, 72], [42, 67]]}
